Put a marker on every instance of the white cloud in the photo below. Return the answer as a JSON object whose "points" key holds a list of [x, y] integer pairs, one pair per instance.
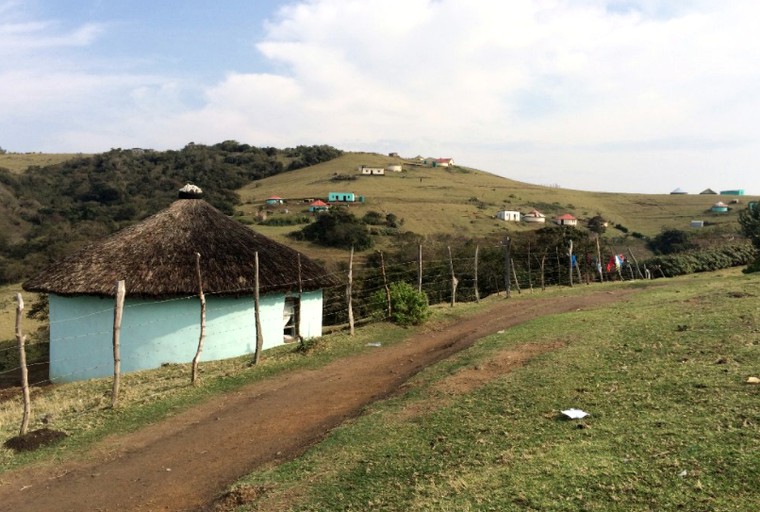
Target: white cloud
{"points": [[554, 91]]}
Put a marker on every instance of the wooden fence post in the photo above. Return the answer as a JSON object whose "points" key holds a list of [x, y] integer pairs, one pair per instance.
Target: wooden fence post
{"points": [[514, 275], [117, 317], [543, 266], [22, 363], [419, 269], [257, 311], [599, 261], [297, 312], [530, 272], [477, 292], [636, 262], [349, 292], [570, 258], [385, 284], [454, 280], [202, 297], [507, 265]]}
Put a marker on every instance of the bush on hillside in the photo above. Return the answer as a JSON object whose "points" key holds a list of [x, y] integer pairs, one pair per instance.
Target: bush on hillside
{"points": [[408, 306], [715, 258]]}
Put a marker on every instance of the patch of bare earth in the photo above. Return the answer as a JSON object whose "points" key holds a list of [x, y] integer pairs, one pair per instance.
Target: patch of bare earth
{"points": [[185, 461]]}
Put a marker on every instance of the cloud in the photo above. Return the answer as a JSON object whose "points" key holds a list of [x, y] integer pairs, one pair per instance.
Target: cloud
{"points": [[530, 88]]}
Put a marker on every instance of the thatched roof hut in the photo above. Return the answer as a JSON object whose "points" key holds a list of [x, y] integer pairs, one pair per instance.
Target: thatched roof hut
{"points": [[157, 258]]}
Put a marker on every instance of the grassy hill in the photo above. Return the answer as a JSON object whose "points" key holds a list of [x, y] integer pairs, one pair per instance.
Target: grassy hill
{"points": [[464, 201], [19, 162]]}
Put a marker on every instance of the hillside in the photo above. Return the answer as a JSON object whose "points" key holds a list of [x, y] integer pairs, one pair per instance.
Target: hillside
{"points": [[464, 201], [20, 162]]}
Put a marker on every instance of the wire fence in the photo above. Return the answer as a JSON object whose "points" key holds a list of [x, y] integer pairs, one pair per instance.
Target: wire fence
{"points": [[79, 346]]}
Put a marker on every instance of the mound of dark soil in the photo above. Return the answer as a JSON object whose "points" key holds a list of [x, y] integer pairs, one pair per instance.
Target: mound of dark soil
{"points": [[34, 439]]}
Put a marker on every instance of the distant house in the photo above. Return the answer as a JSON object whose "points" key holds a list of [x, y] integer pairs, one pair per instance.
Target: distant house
{"points": [[371, 171], [566, 220], [508, 215], [708, 191], [275, 200], [394, 168], [737, 192], [443, 162], [344, 197], [678, 192], [719, 207], [697, 224], [318, 206], [534, 216]]}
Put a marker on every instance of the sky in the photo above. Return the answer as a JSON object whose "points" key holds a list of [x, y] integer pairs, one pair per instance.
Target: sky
{"points": [[602, 95]]}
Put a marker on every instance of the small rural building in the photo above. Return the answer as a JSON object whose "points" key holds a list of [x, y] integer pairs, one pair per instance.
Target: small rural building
{"points": [[697, 224], [508, 215], [274, 200], [566, 220], [719, 207], [394, 168], [534, 216], [736, 192], [678, 192], [343, 197], [708, 191], [161, 322], [318, 206], [372, 171], [443, 162]]}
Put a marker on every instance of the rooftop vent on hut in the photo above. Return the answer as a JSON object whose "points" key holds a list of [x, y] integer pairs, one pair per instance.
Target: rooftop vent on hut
{"points": [[190, 191]]}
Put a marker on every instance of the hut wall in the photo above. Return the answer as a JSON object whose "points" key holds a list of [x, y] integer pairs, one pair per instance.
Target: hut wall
{"points": [[154, 333], [311, 314]]}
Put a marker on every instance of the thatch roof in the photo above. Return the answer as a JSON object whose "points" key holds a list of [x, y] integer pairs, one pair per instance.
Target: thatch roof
{"points": [[156, 258]]}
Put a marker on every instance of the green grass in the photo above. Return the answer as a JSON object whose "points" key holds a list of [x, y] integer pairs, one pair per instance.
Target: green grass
{"points": [[673, 425], [19, 162]]}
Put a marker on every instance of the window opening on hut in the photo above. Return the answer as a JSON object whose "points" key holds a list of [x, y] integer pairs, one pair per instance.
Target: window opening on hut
{"points": [[289, 319]]}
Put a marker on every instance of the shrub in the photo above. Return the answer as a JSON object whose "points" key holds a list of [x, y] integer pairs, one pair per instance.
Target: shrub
{"points": [[408, 306]]}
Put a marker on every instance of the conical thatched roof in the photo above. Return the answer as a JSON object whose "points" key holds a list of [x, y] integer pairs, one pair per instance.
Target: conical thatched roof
{"points": [[156, 258]]}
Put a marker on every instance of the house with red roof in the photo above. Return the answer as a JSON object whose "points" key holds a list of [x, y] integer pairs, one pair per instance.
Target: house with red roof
{"points": [[566, 220]]}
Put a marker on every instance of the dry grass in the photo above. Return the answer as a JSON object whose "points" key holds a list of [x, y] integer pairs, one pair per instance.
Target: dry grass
{"points": [[19, 162], [464, 201]]}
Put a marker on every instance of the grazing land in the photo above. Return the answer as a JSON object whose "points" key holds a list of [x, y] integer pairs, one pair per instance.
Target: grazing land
{"points": [[470, 421]]}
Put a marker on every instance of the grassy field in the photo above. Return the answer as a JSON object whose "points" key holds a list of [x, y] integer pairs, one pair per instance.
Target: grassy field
{"points": [[464, 201], [673, 423], [19, 162]]}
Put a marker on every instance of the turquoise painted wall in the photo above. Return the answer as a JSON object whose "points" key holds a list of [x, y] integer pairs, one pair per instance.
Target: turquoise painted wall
{"points": [[158, 332]]}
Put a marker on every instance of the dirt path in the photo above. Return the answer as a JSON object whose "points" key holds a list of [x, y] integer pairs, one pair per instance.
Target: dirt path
{"points": [[182, 463]]}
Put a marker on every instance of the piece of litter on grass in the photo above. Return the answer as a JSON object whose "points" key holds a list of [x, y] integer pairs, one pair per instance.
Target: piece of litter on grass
{"points": [[683, 473], [574, 414], [374, 344], [753, 380]]}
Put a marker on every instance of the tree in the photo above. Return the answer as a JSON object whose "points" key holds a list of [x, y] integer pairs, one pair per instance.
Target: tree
{"points": [[597, 224], [749, 220], [670, 241], [337, 228]]}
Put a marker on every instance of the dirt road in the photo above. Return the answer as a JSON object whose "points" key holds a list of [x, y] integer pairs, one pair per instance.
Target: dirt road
{"points": [[183, 462]]}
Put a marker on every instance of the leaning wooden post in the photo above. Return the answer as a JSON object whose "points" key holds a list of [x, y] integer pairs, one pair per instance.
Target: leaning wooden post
{"points": [[118, 313], [636, 262], [22, 363], [385, 284], [530, 273], [454, 280], [419, 268], [507, 259], [202, 337], [543, 266], [514, 276], [570, 258], [349, 292], [599, 260], [477, 293], [297, 312], [257, 311]]}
